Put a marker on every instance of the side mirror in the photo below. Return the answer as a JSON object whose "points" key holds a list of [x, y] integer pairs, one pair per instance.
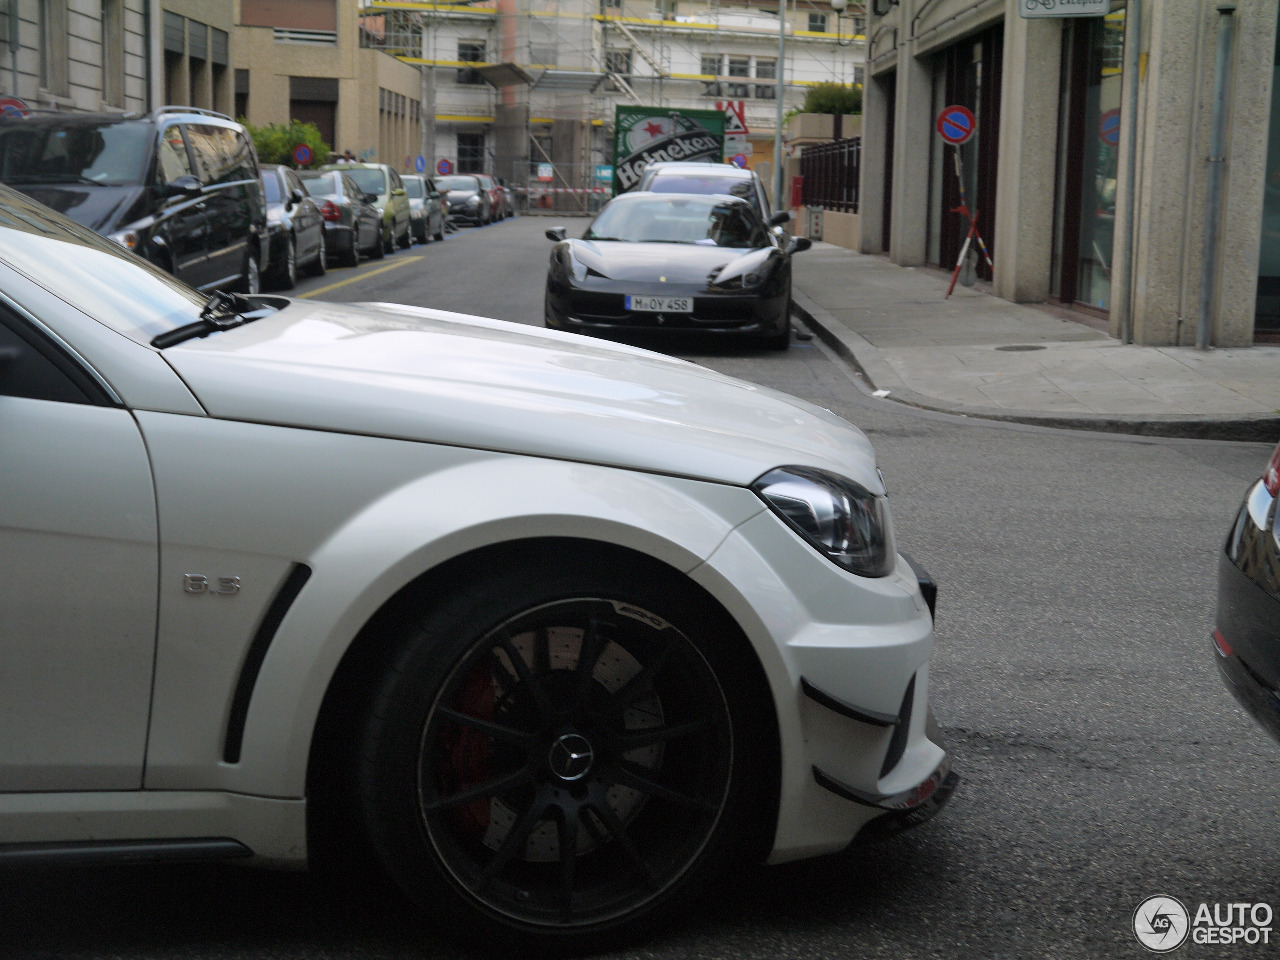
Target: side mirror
{"points": [[799, 244], [399, 192], [184, 186], [295, 196], [370, 198], [557, 234], [779, 218]]}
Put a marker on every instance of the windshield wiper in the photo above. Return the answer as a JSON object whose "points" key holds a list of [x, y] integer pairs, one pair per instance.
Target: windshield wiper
{"points": [[223, 311], [608, 239]]}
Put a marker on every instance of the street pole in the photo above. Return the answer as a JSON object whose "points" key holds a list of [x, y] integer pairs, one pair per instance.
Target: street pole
{"points": [[1132, 60], [778, 203], [1213, 198]]}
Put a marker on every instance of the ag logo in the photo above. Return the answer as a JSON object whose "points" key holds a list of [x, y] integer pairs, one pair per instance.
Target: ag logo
{"points": [[1161, 923]]}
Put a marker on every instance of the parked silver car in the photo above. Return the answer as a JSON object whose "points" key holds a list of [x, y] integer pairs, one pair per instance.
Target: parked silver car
{"points": [[426, 211]]}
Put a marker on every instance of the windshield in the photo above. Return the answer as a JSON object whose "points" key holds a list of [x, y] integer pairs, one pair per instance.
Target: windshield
{"points": [[111, 153], [413, 186], [368, 179], [679, 219], [91, 273], [459, 183], [703, 183], [321, 184]]}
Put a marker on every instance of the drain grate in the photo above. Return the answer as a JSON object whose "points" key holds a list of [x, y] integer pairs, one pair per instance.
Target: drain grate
{"points": [[1021, 347]]}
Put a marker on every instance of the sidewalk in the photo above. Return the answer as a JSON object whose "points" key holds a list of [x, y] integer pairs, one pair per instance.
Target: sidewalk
{"points": [[981, 356]]}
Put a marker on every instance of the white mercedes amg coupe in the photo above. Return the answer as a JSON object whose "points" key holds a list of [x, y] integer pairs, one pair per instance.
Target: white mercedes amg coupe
{"points": [[555, 630]]}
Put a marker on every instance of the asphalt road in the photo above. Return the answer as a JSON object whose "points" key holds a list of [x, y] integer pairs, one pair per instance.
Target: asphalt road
{"points": [[1103, 762]]}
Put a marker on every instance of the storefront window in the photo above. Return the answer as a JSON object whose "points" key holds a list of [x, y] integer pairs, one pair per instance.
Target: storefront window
{"points": [[1088, 155], [1268, 309]]}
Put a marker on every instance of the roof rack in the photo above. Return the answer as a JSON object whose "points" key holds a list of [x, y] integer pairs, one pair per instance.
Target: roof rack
{"points": [[174, 108]]}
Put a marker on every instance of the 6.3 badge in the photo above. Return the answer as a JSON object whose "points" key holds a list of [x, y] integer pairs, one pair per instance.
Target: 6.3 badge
{"points": [[198, 583]]}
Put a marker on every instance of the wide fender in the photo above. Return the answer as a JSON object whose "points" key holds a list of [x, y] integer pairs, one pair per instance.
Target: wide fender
{"points": [[420, 525]]}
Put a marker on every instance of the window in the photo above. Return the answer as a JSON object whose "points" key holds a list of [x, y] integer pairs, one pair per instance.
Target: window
{"points": [[172, 155], [470, 152], [617, 63], [470, 51], [610, 4], [667, 9], [818, 22], [113, 52], [53, 46], [711, 66], [766, 69], [739, 67]]}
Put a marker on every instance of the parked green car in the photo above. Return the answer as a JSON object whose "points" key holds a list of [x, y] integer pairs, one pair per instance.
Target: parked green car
{"points": [[385, 190]]}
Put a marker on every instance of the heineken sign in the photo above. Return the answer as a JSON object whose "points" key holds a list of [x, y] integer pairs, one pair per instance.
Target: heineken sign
{"points": [[644, 135]]}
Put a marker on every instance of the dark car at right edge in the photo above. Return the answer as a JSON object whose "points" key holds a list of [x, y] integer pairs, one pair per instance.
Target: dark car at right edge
{"points": [[1246, 634]]}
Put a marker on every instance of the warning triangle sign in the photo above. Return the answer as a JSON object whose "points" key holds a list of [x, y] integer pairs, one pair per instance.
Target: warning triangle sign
{"points": [[735, 116]]}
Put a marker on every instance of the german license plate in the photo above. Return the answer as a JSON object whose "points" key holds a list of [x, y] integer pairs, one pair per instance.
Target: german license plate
{"points": [[660, 304]]}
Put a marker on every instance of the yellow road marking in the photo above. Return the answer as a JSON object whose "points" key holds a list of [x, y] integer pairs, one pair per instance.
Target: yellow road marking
{"points": [[360, 276]]}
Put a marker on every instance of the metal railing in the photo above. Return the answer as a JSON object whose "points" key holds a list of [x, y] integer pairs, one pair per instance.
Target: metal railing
{"points": [[830, 172]]}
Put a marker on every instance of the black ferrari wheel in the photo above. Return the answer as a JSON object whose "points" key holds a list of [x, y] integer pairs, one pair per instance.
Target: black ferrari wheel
{"points": [[559, 758]]}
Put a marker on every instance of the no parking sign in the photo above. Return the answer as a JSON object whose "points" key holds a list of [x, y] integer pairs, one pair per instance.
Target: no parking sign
{"points": [[302, 155], [957, 124]]}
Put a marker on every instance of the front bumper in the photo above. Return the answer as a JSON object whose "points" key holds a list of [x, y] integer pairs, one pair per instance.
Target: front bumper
{"points": [[604, 310], [848, 660]]}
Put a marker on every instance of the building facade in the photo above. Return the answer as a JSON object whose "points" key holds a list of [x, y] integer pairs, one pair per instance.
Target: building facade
{"points": [[84, 55], [307, 60], [1092, 169], [517, 86]]}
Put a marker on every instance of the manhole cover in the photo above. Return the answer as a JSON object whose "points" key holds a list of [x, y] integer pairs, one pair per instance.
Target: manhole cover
{"points": [[1020, 347]]}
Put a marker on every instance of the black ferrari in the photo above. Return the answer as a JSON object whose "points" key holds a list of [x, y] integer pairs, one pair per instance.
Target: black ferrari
{"points": [[674, 262], [1246, 636]]}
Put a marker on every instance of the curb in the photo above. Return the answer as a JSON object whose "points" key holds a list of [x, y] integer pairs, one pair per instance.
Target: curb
{"points": [[869, 363]]}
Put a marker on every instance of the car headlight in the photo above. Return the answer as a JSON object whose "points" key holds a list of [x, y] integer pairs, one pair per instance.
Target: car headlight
{"points": [[741, 281], [841, 518], [128, 239]]}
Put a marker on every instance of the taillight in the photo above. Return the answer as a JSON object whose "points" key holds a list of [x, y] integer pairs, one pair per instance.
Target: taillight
{"points": [[1272, 477], [330, 211]]}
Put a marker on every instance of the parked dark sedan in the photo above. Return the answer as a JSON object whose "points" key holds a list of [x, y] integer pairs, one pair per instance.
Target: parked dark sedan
{"points": [[1246, 636], [352, 224], [294, 226], [674, 262], [468, 201]]}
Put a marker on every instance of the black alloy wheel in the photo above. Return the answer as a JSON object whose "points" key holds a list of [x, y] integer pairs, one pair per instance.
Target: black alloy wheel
{"points": [[560, 760]]}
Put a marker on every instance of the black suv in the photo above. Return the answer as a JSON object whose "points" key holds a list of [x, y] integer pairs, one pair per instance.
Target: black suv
{"points": [[180, 187]]}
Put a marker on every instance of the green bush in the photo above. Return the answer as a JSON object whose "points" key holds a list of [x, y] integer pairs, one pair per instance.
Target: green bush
{"points": [[275, 142], [833, 98]]}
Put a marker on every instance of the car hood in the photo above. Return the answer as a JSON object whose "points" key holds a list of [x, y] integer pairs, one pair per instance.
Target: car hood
{"points": [[427, 375], [677, 262], [100, 208], [461, 195]]}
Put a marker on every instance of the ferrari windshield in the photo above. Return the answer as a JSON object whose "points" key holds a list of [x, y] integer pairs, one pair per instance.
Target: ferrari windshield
{"points": [[93, 274], [742, 187], [679, 218]]}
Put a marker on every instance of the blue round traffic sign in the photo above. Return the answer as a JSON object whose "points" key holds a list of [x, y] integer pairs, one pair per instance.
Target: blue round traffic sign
{"points": [[13, 107], [444, 168], [956, 124], [302, 154], [739, 160], [420, 163], [1109, 127]]}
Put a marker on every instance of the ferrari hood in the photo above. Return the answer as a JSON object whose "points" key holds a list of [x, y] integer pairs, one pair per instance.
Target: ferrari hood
{"points": [[427, 375], [684, 263]]}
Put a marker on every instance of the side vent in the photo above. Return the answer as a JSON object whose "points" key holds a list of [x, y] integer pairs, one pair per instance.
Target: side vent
{"points": [[288, 592]]}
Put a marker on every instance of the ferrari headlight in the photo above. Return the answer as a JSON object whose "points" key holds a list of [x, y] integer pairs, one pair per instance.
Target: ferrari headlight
{"points": [[842, 519]]}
